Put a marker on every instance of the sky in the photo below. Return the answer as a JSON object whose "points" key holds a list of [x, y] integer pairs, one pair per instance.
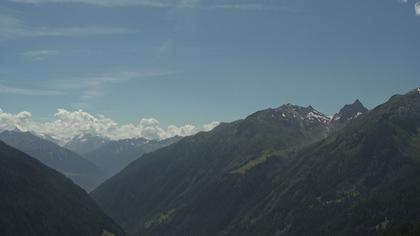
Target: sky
{"points": [[159, 68]]}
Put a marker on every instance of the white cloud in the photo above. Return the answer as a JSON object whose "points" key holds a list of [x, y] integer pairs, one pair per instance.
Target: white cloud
{"points": [[185, 130], [4, 89], [68, 124], [211, 125], [13, 121], [11, 27]]}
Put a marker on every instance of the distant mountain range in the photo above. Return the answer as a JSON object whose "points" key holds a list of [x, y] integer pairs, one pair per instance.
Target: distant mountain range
{"points": [[115, 155], [83, 144], [89, 169], [81, 171], [37, 200], [284, 171]]}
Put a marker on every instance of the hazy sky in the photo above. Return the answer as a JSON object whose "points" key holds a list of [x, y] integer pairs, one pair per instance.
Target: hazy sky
{"points": [[196, 61]]}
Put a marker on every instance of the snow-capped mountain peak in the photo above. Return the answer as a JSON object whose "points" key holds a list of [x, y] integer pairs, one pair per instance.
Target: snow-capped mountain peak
{"points": [[309, 113]]}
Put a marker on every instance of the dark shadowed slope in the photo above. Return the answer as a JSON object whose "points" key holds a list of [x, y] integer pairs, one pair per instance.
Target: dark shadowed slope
{"points": [[37, 200], [116, 155], [80, 170], [200, 184]]}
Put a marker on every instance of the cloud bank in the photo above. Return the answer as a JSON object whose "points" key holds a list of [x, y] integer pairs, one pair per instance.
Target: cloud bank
{"points": [[69, 124]]}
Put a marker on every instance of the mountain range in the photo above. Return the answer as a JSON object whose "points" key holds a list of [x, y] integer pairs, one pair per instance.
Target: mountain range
{"points": [[83, 144], [103, 159], [81, 171], [37, 200], [289, 170], [207, 180], [115, 155], [284, 171]]}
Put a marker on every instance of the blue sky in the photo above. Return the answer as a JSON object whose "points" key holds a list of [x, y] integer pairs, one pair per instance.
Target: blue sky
{"points": [[196, 61]]}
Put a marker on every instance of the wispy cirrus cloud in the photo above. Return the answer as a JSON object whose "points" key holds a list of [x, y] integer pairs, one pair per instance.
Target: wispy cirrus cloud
{"points": [[203, 4], [39, 54], [12, 27], [87, 87], [13, 90], [92, 86], [250, 6], [112, 3]]}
